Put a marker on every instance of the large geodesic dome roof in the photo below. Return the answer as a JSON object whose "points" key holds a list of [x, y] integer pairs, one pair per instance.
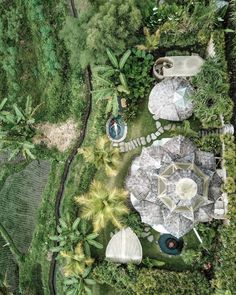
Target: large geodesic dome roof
{"points": [[174, 186], [169, 99]]}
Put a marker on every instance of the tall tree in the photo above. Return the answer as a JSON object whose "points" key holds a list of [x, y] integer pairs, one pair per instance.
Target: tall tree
{"points": [[112, 24]]}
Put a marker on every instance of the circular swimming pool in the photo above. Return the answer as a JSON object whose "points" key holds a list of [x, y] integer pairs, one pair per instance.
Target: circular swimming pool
{"points": [[116, 129], [170, 244]]}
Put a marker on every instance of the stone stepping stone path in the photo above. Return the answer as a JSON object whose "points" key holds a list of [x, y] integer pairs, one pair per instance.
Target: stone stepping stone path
{"points": [[144, 140]]}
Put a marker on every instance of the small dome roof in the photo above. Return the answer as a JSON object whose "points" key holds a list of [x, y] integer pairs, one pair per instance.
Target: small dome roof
{"points": [[169, 99]]}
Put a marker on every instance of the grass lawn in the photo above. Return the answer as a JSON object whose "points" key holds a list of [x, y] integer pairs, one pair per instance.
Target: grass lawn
{"points": [[143, 124], [152, 250]]}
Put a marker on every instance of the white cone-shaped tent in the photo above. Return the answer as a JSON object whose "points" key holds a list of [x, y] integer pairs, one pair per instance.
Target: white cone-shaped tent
{"points": [[124, 247]]}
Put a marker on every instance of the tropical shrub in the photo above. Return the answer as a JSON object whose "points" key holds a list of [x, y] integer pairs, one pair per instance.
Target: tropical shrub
{"points": [[148, 262], [229, 185], [70, 234], [185, 130], [17, 128], [102, 205], [110, 24], [151, 40], [133, 280], [78, 285], [184, 25], [163, 13], [75, 261], [190, 256], [224, 281], [133, 220], [229, 155], [209, 143], [211, 96], [111, 81], [138, 72], [102, 155]]}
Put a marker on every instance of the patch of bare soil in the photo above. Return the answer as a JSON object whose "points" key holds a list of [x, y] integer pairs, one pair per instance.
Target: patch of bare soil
{"points": [[61, 135]]}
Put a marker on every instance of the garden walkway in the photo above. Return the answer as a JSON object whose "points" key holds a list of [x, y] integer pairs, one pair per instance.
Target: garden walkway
{"points": [[144, 140]]}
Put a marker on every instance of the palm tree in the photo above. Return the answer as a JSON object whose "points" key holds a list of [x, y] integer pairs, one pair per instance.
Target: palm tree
{"points": [[76, 261], [17, 128], [102, 154], [111, 81], [72, 233], [102, 205]]}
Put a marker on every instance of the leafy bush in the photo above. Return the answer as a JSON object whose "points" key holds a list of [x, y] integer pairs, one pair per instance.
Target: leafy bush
{"points": [[112, 24], [211, 96], [110, 82], [225, 280], [9, 38], [133, 220], [190, 256], [17, 129], [138, 72], [210, 143], [229, 162], [184, 25], [133, 280], [39, 23]]}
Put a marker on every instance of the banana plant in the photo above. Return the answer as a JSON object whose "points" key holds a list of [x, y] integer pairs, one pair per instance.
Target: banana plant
{"points": [[116, 66], [111, 81], [72, 233], [17, 128]]}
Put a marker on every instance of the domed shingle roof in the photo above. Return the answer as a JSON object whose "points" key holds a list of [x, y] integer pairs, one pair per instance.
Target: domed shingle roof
{"points": [[174, 186], [169, 99]]}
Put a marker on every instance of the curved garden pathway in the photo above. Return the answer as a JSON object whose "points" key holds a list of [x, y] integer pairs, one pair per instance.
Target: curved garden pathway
{"points": [[69, 160]]}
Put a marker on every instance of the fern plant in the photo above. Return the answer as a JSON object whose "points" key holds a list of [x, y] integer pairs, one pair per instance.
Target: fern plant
{"points": [[151, 40]]}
